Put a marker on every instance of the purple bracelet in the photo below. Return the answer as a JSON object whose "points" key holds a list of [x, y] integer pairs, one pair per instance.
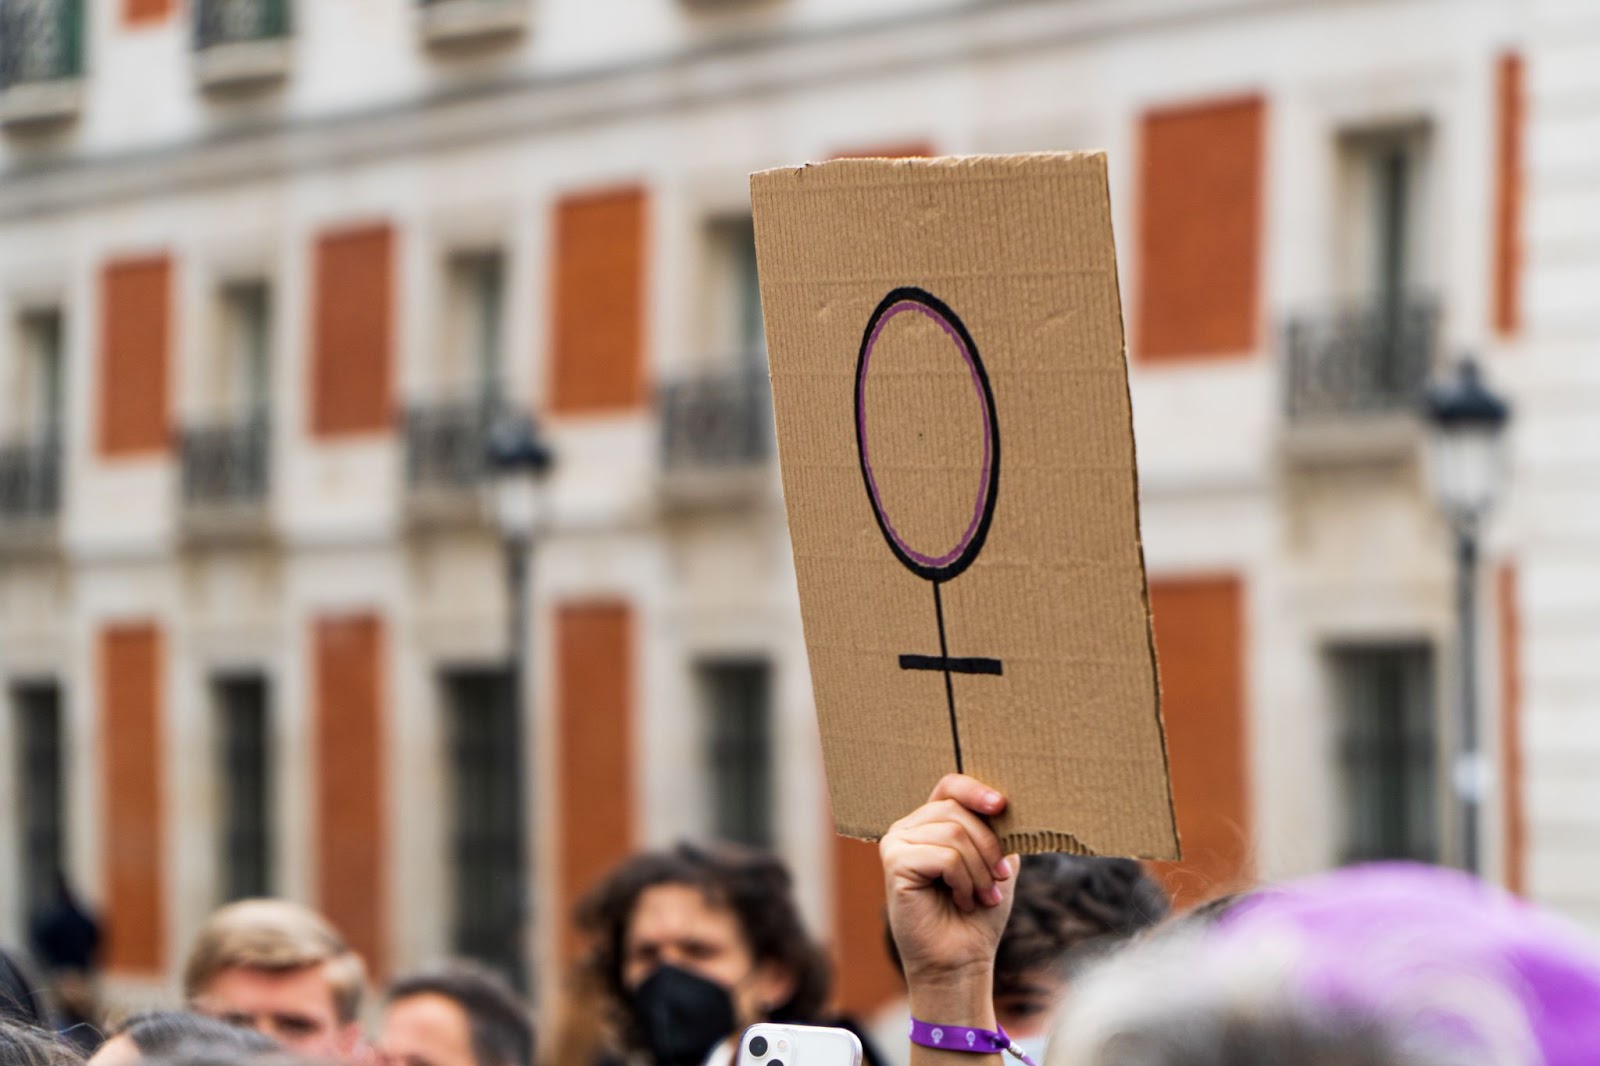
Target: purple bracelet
{"points": [[962, 1038]]}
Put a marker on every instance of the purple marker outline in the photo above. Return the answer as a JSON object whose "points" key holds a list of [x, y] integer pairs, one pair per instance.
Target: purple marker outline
{"points": [[861, 431]]}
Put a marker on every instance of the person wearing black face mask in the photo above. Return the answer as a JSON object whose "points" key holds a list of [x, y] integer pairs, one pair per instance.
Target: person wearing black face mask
{"points": [[692, 945]]}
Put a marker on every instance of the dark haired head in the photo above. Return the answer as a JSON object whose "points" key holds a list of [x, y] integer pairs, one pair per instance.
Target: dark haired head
{"points": [[502, 1031], [1070, 908], [171, 1032], [26, 1045], [754, 886]]}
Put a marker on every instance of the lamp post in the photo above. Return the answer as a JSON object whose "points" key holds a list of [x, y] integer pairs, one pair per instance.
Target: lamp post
{"points": [[518, 462], [1466, 429]]}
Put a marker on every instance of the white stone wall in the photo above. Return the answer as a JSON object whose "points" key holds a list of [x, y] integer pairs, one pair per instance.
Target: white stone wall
{"points": [[1558, 458], [365, 128]]}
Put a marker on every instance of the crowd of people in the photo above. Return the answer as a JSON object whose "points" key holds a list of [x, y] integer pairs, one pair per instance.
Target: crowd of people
{"points": [[1051, 960]]}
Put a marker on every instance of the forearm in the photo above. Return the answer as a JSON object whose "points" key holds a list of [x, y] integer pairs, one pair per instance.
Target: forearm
{"points": [[963, 999]]}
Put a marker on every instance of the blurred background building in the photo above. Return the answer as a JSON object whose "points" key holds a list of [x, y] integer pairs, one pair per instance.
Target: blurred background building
{"points": [[269, 270]]}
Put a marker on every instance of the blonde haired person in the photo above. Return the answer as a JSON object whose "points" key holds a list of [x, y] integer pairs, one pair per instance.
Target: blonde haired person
{"points": [[282, 970]]}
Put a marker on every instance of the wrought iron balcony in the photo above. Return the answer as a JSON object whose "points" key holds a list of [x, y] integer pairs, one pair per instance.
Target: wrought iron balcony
{"points": [[241, 43], [219, 22], [447, 445], [1360, 362], [716, 422], [30, 481], [41, 59], [227, 465]]}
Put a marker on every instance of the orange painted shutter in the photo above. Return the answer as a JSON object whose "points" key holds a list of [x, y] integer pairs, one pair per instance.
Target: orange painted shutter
{"points": [[1514, 812], [899, 150], [353, 316], [594, 707], [135, 346], [143, 12], [600, 295], [1507, 301], [865, 979], [349, 690], [1200, 205], [1199, 626], [134, 811]]}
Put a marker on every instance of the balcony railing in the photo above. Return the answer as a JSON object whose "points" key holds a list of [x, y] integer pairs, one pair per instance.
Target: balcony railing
{"points": [[41, 61], [718, 421], [220, 22], [40, 41], [447, 445], [30, 481], [241, 45], [227, 465], [1355, 363]]}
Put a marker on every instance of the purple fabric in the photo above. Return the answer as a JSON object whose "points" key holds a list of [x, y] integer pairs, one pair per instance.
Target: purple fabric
{"points": [[962, 1038], [1434, 950]]}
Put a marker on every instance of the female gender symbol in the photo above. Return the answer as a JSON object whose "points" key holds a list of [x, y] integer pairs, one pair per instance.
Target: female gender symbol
{"points": [[941, 563]]}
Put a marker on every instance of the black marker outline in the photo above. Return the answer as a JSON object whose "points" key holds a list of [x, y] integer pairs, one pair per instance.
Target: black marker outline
{"points": [[970, 552], [936, 575]]}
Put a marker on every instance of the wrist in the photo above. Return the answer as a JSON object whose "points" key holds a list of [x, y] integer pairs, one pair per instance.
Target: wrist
{"points": [[962, 996]]}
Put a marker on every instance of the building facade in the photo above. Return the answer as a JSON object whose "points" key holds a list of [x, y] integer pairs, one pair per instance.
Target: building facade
{"points": [[269, 269]]}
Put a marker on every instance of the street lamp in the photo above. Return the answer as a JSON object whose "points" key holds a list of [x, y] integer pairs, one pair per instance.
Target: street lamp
{"points": [[518, 461], [1466, 429]]}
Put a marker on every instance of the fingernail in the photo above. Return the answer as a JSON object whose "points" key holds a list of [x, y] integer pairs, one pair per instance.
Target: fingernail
{"points": [[1002, 869], [995, 895], [992, 799]]}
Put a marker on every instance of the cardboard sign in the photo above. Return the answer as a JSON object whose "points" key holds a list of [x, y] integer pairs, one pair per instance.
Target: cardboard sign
{"points": [[950, 381]]}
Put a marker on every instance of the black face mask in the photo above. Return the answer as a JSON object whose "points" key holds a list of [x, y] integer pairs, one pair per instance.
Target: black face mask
{"points": [[682, 1016]]}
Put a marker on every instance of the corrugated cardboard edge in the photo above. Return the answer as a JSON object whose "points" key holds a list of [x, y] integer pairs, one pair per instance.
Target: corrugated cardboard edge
{"points": [[1144, 573], [1049, 840]]}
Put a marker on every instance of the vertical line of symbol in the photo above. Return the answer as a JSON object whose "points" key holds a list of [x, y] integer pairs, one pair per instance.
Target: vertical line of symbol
{"points": [[949, 685]]}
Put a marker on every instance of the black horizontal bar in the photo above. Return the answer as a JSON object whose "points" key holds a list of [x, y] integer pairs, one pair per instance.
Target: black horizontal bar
{"points": [[954, 666]]}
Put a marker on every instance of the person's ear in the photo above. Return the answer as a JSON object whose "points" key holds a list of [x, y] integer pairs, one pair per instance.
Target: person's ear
{"points": [[771, 986]]}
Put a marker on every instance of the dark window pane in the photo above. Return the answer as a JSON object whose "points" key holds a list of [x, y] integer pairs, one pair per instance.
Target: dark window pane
{"points": [[40, 791], [486, 821], [1389, 752], [739, 733], [245, 758]]}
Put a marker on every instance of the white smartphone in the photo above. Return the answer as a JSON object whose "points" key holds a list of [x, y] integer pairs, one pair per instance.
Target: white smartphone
{"points": [[777, 1044]]}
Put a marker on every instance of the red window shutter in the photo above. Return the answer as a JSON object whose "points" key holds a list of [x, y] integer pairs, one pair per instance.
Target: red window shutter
{"points": [[1507, 298], [1200, 641], [1514, 813], [133, 800], [145, 12], [135, 350], [896, 150], [351, 791], [1200, 208], [594, 708], [599, 296], [865, 978], [353, 341]]}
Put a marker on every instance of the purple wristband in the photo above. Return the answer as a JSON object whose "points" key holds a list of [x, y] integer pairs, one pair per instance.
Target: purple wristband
{"points": [[961, 1038]]}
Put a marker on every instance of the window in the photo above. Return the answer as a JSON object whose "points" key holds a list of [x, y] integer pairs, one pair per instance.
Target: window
{"points": [[245, 760], [39, 394], [41, 792], [737, 699], [474, 339], [486, 819], [244, 377], [734, 327], [1389, 752], [1383, 200]]}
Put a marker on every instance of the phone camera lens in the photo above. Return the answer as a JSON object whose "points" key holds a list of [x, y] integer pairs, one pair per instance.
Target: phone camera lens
{"points": [[758, 1047], [776, 1062]]}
